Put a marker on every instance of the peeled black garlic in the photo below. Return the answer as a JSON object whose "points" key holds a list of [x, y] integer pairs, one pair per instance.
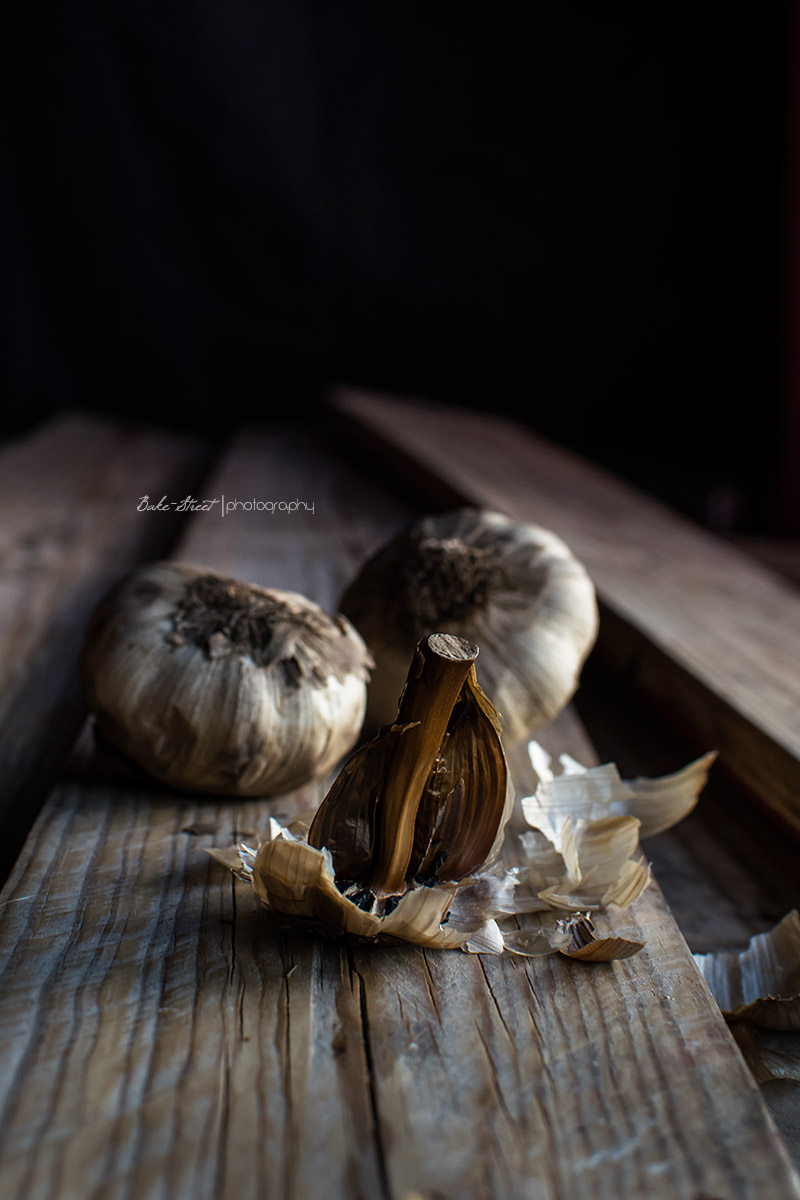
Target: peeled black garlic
{"points": [[219, 686], [401, 846], [513, 588]]}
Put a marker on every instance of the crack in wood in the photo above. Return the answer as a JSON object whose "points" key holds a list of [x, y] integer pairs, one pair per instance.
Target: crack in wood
{"points": [[430, 984], [223, 1109], [361, 992], [290, 1157], [495, 1002]]}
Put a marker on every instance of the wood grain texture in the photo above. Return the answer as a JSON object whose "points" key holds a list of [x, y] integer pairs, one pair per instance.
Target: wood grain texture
{"points": [[726, 871], [710, 636], [163, 1039], [70, 526]]}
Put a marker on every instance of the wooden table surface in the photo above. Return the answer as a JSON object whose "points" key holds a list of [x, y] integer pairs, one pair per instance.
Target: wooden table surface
{"points": [[160, 1038]]}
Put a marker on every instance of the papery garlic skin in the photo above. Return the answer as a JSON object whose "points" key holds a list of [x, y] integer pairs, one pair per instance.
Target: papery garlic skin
{"points": [[255, 696], [589, 793], [296, 881], [761, 983], [514, 588], [583, 845]]}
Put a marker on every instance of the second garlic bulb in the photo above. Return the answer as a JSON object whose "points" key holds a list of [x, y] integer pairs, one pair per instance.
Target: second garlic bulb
{"points": [[514, 588]]}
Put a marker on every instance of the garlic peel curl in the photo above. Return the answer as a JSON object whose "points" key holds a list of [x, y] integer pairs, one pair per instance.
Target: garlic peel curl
{"points": [[583, 943], [583, 853], [588, 865], [760, 984], [592, 793], [583, 850], [574, 936], [767, 1062], [295, 880]]}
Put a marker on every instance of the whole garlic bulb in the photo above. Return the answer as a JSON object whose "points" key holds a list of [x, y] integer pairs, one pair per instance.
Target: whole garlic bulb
{"points": [[219, 686], [515, 589]]}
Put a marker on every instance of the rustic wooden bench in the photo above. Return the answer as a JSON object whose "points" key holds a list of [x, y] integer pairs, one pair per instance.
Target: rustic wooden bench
{"points": [[161, 1038]]}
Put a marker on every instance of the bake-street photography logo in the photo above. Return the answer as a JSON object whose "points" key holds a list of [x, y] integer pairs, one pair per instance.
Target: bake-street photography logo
{"points": [[225, 506]]}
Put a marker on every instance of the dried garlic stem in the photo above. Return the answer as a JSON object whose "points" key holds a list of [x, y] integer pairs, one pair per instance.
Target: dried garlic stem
{"points": [[441, 668]]}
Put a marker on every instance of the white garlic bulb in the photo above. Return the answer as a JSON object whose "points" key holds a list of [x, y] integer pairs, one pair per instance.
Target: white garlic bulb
{"points": [[515, 589], [218, 686]]}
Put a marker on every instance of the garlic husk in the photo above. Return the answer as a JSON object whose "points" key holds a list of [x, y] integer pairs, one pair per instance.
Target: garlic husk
{"points": [[402, 847], [760, 984], [590, 793], [768, 1062], [583, 848], [296, 881], [217, 686], [758, 991], [601, 866], [582, 852], [514, 588]]}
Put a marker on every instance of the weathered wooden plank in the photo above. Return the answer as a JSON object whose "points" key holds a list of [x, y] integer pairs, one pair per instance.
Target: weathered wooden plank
{"points": [[165, 1040], [711, 637], [726, 872], [591, 1083], [68, 494]]}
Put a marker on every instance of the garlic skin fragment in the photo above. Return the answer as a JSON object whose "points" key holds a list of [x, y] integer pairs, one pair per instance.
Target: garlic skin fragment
{"points": [[513, 588], [296, 881], [583, 850], [217, 686], [589, 793], [601, 865], [574, 936], [760, 984], [768, 1063]]}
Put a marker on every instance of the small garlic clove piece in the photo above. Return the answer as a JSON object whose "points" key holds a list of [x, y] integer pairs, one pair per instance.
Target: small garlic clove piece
{"points": [[584, 944], [514, 588], [218, 686], [573, 936], [400, 849]]}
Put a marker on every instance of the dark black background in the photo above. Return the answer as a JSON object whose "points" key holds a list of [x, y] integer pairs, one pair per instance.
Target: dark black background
{"points": [[571, 212]]}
